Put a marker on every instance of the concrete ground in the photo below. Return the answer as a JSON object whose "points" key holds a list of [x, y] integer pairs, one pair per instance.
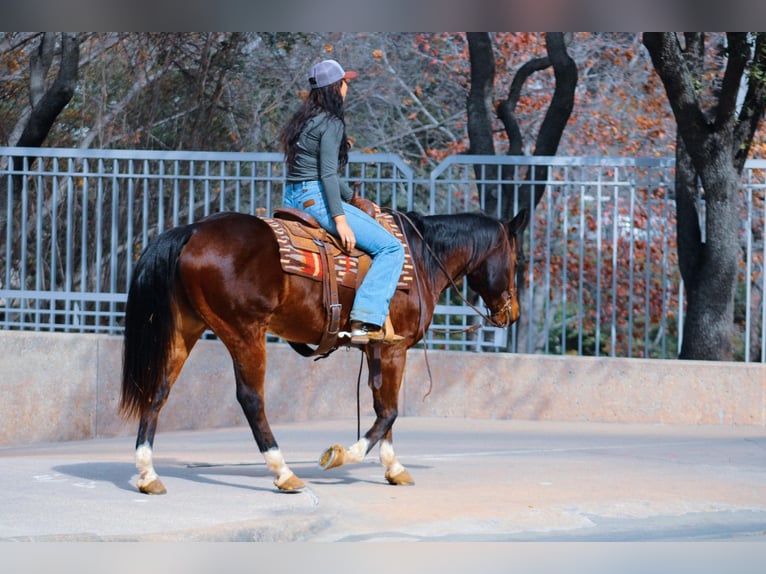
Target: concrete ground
{"points": [[475, 481]]}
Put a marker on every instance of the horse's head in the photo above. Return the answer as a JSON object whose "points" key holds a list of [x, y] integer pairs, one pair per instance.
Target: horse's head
{"points": [[494, 279]]}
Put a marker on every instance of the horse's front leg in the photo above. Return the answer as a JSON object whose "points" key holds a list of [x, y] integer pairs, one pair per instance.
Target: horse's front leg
{"points": [[250, 372], [338, 455], [396, 474], [385, 403]]}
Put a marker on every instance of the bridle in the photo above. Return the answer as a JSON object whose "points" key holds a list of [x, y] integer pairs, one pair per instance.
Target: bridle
{"points": [[506, 309], [508, 295]]}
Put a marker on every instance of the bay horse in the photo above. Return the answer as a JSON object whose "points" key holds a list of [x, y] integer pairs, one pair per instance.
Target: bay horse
{"points": [[223, 273]]}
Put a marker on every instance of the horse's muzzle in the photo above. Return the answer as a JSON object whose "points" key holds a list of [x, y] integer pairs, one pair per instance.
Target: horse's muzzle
{"points": [[508, 314]]}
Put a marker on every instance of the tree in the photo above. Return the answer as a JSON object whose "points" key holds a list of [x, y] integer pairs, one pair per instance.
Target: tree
{"points": [[715, 140], [47, 101], [554, 120], [480, 130], [47, 98]]}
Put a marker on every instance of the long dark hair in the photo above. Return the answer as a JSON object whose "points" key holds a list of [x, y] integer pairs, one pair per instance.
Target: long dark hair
{"points": [[326, 99]]}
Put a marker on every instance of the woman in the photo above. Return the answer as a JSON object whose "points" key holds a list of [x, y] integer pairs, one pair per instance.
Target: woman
{"points": [[316, 149]]}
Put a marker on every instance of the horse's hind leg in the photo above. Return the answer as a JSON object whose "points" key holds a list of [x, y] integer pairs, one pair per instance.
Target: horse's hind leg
{"points": [[148, 480], [250, 374]]}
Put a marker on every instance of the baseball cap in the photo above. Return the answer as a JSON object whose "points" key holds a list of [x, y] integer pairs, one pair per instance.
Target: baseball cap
{"points": [[328, 72]]}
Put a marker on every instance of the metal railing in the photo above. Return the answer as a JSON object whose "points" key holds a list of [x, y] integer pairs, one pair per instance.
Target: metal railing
{"points": [[602, 276]]}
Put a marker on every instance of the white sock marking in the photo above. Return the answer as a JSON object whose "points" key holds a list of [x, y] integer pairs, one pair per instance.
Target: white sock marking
{"points": [[144, 464], [388, 458], [357, 451], [276, 463]]}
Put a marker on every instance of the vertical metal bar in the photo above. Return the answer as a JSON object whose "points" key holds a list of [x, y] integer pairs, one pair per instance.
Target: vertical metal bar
{"points": [[237, 186], [548, 273], [431, 194], [23, 252], [253, 195], [52, 282], [161, 209], [69, 304], [206, 188], [84, 244], [648, 269], [564, 269], [145, 215], [631, 265], [581, 268], [410, 193], [115, 231], [175, 192], [616, 214], [128, 241], [532, 327], [221, 193], [748, 265], [763, 281], [99, 228], [599, 199], [665, 232], [39, 215], [8, 237]]}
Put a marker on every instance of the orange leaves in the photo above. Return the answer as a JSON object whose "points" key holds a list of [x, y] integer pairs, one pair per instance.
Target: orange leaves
{"points": [[451, 148], [611, 253]]}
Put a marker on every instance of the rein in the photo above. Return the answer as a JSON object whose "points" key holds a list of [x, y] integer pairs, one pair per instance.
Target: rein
{"points": [[421, 326], [506, 306], [398, 215]]}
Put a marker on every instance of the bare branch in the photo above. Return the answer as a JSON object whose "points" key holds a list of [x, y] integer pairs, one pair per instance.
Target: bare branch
{"points": [[739, 54]]}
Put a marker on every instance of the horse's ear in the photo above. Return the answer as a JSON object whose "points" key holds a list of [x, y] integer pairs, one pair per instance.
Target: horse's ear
{"points": [[519, 223]]}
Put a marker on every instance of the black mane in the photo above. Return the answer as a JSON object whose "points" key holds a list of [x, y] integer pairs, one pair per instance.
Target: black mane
{"points": [[472, 233]]}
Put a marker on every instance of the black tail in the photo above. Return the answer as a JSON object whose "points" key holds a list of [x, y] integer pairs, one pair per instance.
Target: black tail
{"points": [[149, 324]]}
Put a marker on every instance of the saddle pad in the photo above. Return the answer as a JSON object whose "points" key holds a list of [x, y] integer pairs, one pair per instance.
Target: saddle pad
{"points": [[299, 254]]}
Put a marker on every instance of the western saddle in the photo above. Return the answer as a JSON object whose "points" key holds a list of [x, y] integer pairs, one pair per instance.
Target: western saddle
{"points": [[308, 250]]}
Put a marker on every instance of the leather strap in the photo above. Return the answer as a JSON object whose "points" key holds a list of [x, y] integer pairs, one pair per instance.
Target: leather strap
{"points": [[329, 340], [332, 305]]}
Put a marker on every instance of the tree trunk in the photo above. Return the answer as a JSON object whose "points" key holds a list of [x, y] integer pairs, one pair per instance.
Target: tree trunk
{"points": [[47, 105], [709, 269], [479, 110], [714, 148], [479, 103], [558, 113]]}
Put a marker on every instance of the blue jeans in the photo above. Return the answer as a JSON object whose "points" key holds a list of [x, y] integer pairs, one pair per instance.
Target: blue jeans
{"points": [[374, 294]]}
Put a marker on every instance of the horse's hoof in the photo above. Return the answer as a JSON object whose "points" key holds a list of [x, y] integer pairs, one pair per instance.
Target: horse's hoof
{"points": [[332, 457], [154, 487], [292, 483], [400, 479]]}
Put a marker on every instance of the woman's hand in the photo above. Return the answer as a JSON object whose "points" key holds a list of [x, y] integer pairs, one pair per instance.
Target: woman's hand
{"points": [[347, 238]]}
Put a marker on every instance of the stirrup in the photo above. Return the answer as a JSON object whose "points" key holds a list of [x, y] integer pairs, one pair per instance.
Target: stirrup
{"points": [[364, 333], [359, 335]]}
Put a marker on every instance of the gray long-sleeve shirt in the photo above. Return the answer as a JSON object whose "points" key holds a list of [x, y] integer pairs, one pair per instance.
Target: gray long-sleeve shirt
{"points": [[317, 159]]}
